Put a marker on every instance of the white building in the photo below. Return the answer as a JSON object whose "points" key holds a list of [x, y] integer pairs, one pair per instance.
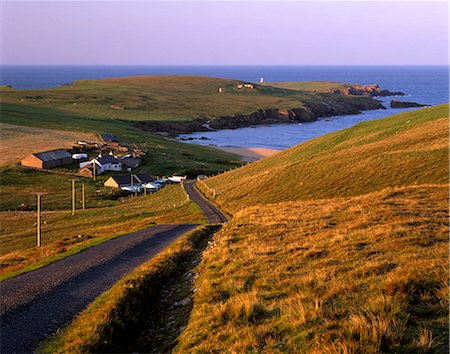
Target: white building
{"points": [[104, 163]]}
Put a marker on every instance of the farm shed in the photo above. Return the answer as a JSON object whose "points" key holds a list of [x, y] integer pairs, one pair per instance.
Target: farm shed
{"points": [[109, 137], [48, 159], [127, 180], [131, 162]]}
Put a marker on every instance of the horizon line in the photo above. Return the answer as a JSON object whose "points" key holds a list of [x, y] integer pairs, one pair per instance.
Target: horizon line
{"points": [[229, 65]]}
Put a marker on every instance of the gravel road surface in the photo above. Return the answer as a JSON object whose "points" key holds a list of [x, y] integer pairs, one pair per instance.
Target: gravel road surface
{"points": [[34, 305], [213, 214]]}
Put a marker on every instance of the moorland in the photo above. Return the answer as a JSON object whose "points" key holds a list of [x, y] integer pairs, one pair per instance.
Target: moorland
{"points": [[325, 252]]}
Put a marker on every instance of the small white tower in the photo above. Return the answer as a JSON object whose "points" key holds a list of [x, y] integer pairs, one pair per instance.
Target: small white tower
{"points": [[261, 80]]}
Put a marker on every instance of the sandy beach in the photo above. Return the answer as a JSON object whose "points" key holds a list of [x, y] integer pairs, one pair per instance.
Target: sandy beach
{"points": [[249, 154]]}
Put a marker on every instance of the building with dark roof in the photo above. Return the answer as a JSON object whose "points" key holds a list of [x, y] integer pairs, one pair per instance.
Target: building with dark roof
{"points": [[109, 137], [48, 159], [103, 163], [128, 180], [131, 162]]}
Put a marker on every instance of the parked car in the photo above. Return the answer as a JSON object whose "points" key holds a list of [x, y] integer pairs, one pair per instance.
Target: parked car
{"points": [[161, 181], [151, 186], [177, 179], [132, 189]]}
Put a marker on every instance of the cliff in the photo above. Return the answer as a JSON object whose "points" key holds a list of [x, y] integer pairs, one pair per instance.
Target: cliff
{"points": [[328, 105], [404, 104], [372, 90]]}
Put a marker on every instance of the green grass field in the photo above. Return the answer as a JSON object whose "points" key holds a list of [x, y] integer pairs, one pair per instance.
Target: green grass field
{"points": [[119, 106], [165, 156], [162, 98], [364, 274], [308, 86], [404, 149], [64, 233], [338, 245]]}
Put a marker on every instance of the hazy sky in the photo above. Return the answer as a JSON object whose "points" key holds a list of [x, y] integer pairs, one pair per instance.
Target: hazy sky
{"points": [[223, 33]]}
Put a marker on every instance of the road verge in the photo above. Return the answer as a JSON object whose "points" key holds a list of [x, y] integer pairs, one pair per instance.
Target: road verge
{"points": [[114, 320]]}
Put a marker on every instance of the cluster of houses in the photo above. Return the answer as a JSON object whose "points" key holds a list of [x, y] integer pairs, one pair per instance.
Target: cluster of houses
{"points": [[249, 86], [141, 182], [134, 183], [240, 86]]}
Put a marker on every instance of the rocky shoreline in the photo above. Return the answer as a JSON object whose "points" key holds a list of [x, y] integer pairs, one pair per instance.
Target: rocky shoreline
{"points": [[350, 100]]}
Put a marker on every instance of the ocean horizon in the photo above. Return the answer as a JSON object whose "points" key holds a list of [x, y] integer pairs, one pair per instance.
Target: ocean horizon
{"points": [[425, 84]]}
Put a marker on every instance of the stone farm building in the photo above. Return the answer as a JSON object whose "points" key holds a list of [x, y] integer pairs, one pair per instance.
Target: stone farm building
{"points": [[128, 180], [48, 159]]}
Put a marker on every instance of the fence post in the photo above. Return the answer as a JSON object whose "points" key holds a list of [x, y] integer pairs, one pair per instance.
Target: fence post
{"points": [[38, 221]]}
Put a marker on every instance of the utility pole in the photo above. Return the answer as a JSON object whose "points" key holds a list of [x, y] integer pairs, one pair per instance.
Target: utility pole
{"points": [[94, 169], [83, 197], [38, 221], [73, 197]]}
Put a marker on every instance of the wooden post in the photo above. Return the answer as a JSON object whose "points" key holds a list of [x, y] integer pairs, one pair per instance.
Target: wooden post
{"points": [[38, 221], [83, 197], [73, 197], [145, 189], [94, 170]]}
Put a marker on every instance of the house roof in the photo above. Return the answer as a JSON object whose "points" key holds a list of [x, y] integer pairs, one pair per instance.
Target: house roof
{"points": [[107, 159], [126, 179], [53, 155], [109, 137]]}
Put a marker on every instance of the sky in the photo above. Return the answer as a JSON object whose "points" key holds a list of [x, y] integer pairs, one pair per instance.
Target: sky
{"points": [[223, 33]]}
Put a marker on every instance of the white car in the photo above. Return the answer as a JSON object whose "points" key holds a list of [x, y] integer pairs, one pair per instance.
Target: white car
{"points": [[150, 186], [177, 179], [132, 189]]}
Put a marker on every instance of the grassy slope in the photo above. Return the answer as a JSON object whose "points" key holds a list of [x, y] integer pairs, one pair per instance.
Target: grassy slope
{"points": [[404, 149], [116, 317], [353, 275], [19, 187], [19, 141], [86, 107], [165, 156], [173, 98], [354, 256], [63, 233], [315, 86]]}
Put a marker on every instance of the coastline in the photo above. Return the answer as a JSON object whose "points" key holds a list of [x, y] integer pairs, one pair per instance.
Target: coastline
{"points": [[248, 154]]}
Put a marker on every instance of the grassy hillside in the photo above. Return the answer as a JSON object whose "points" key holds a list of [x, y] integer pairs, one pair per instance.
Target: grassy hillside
{"points": [[338, 245], [169, 104], [404, 149], [309, 86], [349, 275], [165, 156], [19, 141], [63, 233], [167, 98]]}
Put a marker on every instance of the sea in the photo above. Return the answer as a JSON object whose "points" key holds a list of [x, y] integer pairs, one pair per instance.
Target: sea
{"points": [[422, 84]]}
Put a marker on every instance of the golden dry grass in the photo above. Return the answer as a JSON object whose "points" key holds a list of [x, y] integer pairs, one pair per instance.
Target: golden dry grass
{"points": [[118, 309], [404, 149], [348, 275], [19, 141], [63, 233]]}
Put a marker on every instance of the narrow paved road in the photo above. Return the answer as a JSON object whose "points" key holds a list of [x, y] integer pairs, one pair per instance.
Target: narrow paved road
{"points": [[37, 303], [213, 214]]}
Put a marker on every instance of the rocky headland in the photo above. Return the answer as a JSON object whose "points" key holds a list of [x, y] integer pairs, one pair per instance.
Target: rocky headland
{"points": [[372, 90], [351, 101], [405, 104]]}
